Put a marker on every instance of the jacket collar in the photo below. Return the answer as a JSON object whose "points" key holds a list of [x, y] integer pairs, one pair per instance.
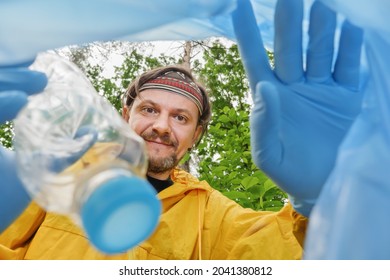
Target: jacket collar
{"points": [[182, 183]]}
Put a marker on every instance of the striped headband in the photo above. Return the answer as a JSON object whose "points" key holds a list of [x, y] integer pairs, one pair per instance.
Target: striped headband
{"points": [[179, 83]]}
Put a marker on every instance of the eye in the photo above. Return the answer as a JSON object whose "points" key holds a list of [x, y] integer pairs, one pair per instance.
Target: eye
{"points": [[148, 110], [181, 118]]}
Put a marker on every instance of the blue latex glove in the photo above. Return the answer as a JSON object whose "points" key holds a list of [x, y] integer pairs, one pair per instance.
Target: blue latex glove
{"points": [[301, 112], [16, 83]]}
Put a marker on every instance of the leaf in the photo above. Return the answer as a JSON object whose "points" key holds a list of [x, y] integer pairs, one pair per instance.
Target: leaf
{"points": [[268, 184], [255, 190], [249, 182], [233, 114], [261, 176], [220, 168], [224, 119], [235, 195], [186, 157]]}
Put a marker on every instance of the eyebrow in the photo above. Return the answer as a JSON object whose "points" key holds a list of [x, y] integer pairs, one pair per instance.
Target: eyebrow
{"points": [[143, 101], [179, 110]]}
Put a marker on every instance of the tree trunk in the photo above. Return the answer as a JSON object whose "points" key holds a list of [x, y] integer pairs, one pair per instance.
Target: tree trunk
{"points": [[187, 64], [187, 55]]}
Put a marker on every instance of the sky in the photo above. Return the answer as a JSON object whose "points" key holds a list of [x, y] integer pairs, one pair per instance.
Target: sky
{"points": [[169, 48]]}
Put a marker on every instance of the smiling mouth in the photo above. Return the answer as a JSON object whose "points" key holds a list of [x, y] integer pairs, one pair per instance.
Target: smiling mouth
{"points": [[160, 143], [155, 138]]}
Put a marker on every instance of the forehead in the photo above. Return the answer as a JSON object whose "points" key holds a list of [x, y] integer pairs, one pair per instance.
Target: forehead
{"points": [[167, 100]]}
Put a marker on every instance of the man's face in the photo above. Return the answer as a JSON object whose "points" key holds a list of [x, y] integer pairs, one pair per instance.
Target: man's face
{"points": [[168, 122]]}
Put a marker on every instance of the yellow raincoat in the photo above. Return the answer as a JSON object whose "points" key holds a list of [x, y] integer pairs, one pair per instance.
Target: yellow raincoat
{"points": [[198, 222]]}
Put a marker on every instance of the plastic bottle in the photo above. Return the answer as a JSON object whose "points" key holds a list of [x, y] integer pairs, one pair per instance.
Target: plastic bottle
{"points": [[78, 157]]}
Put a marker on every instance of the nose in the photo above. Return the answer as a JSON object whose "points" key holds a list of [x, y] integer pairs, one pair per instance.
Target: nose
{"points": [[161, 124]]}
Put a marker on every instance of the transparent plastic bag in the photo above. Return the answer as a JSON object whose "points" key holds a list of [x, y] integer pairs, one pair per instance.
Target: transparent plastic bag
{"points": [[350, 220]]}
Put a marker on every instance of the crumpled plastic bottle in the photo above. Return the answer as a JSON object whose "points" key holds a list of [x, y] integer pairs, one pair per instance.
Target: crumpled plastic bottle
{"points": [[76, 156]]}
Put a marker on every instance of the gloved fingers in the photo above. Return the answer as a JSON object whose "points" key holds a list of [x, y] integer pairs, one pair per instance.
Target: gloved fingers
{"points": [[288, 40], [250, 44], [11, 102], [265, 127], [321, 43], [22, 79], [23, 64], [347, 67], [13, 198]]}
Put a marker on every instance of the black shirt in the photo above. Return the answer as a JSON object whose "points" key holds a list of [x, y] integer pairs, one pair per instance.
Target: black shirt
{"points": [[159, 185]]}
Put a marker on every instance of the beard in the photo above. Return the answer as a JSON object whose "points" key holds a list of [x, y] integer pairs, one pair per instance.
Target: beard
{"points": [[161, 164]]}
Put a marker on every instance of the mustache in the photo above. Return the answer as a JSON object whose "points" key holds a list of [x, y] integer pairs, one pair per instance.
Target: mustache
{"points": [[165, 139]]}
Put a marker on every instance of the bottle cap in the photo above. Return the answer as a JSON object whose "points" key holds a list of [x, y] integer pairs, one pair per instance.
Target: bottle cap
{"points": [[120, 214]]}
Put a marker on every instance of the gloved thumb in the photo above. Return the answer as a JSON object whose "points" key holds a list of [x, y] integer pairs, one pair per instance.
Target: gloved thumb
{"points": [[10, 104], [265, 126]]}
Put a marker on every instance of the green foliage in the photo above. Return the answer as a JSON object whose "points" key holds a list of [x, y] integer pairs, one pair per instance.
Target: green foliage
{"points": [[133, 65], [6, 134], [223, 156], [225, 159]]}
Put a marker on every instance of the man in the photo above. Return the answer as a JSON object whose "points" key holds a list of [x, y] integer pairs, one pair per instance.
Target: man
{"points": [[170, 110]]}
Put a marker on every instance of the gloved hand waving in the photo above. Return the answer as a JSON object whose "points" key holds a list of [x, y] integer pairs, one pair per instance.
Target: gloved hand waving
{"points": [[302, 111]]}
